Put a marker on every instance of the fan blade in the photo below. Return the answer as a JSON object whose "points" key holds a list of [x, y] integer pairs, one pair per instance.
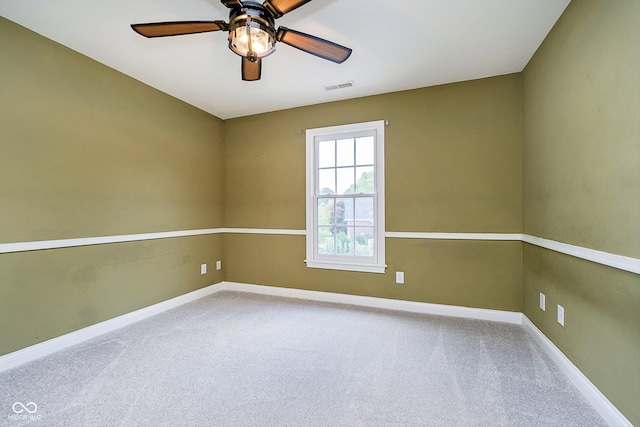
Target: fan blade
{"points": [[280, 7], [232, 3], [251, 71], [163, 29], [314, 45]]}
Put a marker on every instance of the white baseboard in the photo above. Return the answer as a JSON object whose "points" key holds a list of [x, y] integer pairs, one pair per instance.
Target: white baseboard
{"points": [[389, 304], [53, 345], [605, 408]]}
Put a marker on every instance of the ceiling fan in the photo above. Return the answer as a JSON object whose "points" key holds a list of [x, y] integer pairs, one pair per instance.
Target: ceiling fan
{"points": [[252, 33]]}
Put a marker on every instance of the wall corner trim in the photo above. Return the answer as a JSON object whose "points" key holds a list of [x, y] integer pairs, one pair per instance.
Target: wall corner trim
{"points": [[601, 404]]}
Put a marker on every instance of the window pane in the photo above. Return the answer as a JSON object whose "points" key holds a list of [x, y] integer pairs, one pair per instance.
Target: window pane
{"points": [[346, 181], [326, 241], [364, 241], [345, 152], [343, 213], [365, 183], [326, 181], [365, 152], [347, 214], [344, 242], [364, 211], [325, 211], [326, 154]]}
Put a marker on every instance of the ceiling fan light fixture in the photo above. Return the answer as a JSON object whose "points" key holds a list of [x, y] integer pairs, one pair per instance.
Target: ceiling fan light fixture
{"points": [[252, 32], [251, 40]]}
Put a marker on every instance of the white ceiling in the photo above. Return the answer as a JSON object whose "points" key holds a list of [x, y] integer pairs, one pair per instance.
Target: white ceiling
{"points": [[397, 45]]}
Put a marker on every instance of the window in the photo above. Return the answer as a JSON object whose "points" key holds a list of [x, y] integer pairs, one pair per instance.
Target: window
{"points": [[345, 197]]}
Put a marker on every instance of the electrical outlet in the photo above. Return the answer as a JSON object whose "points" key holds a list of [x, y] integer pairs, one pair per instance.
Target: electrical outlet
{"points": [[203, 268], [561, 314], [218, 265], [399, 276], [542, 302]]}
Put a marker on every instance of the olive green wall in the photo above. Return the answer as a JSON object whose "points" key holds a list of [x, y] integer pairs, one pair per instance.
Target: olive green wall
{"points": [[463, 273], [582, 186], [553, 152], [85, 152], [453, 163]]}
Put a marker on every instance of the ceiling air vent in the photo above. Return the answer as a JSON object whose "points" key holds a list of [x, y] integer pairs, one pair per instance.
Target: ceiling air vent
{"points": [[339, 86]]}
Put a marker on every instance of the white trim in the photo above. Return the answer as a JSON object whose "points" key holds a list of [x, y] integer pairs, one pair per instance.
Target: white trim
{"points": [[54, 345], [454, 236], [384, 303], [264, 231], [375, 262], [122, 238], [334, 265], [601, 404], [605, 258], [88, 241]]}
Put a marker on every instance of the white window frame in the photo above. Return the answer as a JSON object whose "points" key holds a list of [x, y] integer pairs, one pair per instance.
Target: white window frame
{"points": [[376, 263]]}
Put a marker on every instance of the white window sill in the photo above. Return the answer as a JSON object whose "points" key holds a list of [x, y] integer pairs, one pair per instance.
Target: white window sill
{"points": [[332, 265]]}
